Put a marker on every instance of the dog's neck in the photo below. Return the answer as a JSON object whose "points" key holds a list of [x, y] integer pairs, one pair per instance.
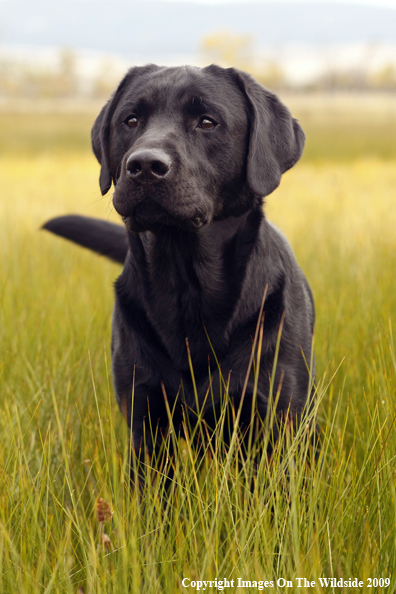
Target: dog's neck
{"points": [[205, 256], [189, 279]]}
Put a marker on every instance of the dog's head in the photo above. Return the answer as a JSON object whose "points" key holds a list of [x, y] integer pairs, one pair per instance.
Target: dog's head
{"points": [[186, 145]]}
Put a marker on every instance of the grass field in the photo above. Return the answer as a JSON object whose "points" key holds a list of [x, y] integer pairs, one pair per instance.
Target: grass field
{"points": [[63, 441]]}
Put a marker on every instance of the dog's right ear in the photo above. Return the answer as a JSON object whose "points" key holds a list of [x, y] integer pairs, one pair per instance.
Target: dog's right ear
{"points": [[100, 140], [100, 134]]}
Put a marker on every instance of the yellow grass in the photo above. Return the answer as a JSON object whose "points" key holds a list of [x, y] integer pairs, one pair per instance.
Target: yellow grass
{"points": [[55, 312]]}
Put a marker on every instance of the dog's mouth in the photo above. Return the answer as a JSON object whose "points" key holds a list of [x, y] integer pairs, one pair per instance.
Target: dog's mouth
{"points": [[150, 216]]}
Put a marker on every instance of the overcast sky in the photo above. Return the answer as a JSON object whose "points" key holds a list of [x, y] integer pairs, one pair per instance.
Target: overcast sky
{"points": [[174, 27], [387, 3]]}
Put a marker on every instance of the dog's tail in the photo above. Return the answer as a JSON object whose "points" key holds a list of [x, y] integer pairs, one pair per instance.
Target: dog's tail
{"points": [[107, 239]]}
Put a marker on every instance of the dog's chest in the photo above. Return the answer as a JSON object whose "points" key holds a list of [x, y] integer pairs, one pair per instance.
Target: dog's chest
{"points": [[186, 297], [190, 316]]}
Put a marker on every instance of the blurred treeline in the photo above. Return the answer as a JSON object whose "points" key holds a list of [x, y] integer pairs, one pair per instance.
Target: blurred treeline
{"points": [[64, 77], [230, 49], [24, 79]]}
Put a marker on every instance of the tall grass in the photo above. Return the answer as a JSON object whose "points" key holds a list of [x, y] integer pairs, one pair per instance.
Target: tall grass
{"points": [[64, 443]]}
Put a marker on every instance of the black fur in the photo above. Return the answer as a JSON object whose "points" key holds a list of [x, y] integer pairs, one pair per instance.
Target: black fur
{"points": [[192, 152], [105, 238]]}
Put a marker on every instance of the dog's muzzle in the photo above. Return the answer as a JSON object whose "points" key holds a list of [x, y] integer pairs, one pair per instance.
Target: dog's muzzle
{"points": [[148, 169]]}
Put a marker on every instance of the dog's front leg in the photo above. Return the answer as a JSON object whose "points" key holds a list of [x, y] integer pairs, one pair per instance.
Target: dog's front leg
{"points": [[151, 448]]}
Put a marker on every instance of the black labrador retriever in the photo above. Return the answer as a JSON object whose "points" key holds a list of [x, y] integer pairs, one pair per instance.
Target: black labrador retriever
{"points": [[191, 153]]}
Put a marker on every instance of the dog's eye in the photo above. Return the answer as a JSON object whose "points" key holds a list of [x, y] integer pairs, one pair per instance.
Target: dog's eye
{"points": [[131, 121], [206, 124]]}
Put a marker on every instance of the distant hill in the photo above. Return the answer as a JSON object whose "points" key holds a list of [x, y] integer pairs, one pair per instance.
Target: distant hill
{"points": [[152, 27]]}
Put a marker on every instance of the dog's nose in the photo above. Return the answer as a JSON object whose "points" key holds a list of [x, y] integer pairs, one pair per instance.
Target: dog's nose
{"points": [[148, 164]]}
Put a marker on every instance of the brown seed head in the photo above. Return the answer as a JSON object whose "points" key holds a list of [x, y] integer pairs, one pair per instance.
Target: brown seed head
{"points": [[103, 510]]}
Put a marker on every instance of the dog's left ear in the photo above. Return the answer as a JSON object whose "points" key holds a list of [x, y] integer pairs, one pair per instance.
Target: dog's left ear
{"points": [[276, 139]]}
